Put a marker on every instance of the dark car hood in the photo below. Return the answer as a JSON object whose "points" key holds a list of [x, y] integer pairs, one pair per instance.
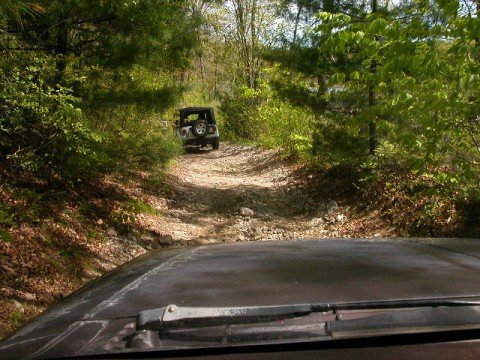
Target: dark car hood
{"points": [[260, 273]]}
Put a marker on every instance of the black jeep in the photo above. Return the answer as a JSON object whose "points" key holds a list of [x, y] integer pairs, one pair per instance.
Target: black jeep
{"points": [[197, 126]]}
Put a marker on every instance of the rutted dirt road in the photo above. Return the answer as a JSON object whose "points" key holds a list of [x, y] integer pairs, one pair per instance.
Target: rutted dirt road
{"points": [[213, 188]]}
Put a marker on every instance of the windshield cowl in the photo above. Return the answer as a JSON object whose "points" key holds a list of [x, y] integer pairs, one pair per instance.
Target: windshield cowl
{"points": [[199, 327]]}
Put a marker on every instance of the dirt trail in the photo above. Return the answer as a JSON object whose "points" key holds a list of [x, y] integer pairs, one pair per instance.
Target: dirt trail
{"points": [[211, 187]]}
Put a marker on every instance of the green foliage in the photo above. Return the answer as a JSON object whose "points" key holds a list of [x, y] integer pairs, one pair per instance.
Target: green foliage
{"points": [[43, 132], [89, 95], [135, 139], [239, 112], [126, 216], [396, 88], [68, 254], [417, 81], [16, 10], [137, 206], [15, 318], [286, 126], [335, 141], [5, 235], [108, 33], [6, 216]]}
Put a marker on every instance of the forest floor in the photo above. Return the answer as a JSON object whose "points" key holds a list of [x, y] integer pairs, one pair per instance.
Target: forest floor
{"points": [[238, 193]]}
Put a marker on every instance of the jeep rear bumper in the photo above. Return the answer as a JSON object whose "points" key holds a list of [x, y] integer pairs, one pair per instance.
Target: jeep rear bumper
{"points": [[200, 141]]}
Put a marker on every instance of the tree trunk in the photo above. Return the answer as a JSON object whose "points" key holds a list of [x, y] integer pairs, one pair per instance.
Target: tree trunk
{"points": [[253, 32], [60, 50], [202, 67], [322, 89], [327, 6], [477, 38], [372, 126], [297, 21], [246, 27]]}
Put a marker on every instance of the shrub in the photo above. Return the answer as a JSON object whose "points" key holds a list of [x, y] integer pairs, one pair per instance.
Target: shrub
{"points": [[286, 126], [240, 114], [135, 139], [43, 132]]}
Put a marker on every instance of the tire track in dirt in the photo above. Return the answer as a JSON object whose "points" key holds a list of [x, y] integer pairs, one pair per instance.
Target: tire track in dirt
{"points": [[210, 188]]}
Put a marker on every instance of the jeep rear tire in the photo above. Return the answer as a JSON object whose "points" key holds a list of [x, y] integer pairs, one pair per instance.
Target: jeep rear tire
{"points": [[200, 128], [215, 144]]}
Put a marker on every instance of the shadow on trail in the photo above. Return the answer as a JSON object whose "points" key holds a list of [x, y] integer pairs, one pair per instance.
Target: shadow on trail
{"points": [[197, 150], [201, 200], [212, 154]]}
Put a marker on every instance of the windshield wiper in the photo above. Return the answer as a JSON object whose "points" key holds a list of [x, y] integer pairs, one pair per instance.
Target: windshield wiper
{"points": [[183, 326], [176, 317]]}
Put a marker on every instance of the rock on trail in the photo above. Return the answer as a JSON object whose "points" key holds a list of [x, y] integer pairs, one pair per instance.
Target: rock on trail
{"points": [[241, 193]]}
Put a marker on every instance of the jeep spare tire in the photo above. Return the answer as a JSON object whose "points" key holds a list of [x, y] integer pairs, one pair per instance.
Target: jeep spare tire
{"points": [[200, 128]]}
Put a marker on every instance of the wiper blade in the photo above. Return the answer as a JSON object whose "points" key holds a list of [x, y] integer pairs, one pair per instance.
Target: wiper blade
{"points": [[175, 317], [409, 321]]}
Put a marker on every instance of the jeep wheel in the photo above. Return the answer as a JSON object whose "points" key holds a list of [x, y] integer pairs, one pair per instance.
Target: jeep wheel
{"points": [[200, 128], [215, 144]]}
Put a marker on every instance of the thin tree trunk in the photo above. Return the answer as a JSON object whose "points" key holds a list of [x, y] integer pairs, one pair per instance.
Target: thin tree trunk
{"points": [[297, 21], [477, 38], [253, 32], [372, 126], [202, 67], [246, 22], [61, 47], [215, 81]]}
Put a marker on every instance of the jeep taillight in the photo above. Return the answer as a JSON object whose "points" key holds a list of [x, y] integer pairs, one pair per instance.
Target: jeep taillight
{"points": [[213, 129]]}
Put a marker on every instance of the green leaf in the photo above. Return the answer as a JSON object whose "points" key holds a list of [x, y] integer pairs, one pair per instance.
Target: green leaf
{"points": [[338, 78], [377, 25], [354, 75]]}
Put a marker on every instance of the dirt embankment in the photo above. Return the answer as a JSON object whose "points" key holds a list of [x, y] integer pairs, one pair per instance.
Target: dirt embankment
{"points": [[237, 193]]}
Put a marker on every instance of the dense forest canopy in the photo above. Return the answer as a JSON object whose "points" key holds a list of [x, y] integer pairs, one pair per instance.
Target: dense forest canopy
{"points": [[374, 84]]}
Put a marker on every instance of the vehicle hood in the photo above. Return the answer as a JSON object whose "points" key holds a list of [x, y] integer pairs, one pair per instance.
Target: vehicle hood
{"points": [[252, 274]]}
